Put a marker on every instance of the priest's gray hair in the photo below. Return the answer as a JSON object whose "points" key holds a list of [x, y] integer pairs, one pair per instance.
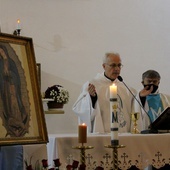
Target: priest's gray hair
{"points": [[105, 58], [151, 74]]}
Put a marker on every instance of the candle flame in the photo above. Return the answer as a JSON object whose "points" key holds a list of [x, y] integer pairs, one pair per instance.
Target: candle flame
{"points": [[18, 21], [83, 124]]}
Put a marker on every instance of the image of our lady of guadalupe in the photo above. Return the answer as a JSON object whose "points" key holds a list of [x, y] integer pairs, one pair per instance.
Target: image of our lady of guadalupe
{"points": [[14, 100]]}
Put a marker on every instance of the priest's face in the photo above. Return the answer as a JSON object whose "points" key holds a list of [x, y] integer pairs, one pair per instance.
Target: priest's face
{"points": [[112, 66], [148, 82]]}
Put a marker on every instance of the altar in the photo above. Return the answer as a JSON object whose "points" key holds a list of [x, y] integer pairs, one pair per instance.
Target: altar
{"points": [[140, 150]]}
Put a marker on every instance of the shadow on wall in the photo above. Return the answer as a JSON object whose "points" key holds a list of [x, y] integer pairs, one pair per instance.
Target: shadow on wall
{"points": [[67, 122]]}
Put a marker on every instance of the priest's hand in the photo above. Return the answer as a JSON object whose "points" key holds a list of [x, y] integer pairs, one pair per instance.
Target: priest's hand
{"points": [[92, 90], [145, 91]]}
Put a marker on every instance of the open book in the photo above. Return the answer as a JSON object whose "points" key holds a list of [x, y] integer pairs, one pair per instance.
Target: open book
{"points": [[161, 124]]}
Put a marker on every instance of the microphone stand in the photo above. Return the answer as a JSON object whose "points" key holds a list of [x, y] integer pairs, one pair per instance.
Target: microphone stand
{"points": [[144, 131]]}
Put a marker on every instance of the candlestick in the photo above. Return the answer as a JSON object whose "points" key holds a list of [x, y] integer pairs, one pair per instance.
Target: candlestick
{"points": [[114, 115], [82, 133], [115, 155], [17, 31]]}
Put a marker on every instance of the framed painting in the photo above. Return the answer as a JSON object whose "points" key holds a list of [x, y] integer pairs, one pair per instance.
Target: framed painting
{"points": [[22, 119]]}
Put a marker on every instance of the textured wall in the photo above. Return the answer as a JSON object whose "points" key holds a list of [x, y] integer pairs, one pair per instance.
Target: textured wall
{"points": [[71, 36]]}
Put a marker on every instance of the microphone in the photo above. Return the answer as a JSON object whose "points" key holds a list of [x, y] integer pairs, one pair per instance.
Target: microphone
{"points": [[121, 80]]}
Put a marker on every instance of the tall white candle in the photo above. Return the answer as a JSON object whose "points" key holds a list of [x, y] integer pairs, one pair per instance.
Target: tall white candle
{"points": [[114, 128], [114, 115]]}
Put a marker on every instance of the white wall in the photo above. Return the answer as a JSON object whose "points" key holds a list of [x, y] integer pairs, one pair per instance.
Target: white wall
{"points": [[71, 36]]}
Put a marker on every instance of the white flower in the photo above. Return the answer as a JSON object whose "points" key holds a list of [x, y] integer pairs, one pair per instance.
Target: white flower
{"points": [[58, 93]]}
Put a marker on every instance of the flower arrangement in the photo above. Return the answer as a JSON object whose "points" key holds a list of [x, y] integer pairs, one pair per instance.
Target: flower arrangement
{"points": [[57, 93], [56, 165]]}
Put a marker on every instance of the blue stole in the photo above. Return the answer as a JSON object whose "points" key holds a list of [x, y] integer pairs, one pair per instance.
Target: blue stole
{"points": [[155, 105]]}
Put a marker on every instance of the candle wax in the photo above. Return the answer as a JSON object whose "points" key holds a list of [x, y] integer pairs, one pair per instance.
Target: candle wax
{"points": [[82, 133]]}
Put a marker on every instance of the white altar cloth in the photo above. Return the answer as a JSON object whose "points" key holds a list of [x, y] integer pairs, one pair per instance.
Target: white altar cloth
{"points": [[36, 153], [140, 150]]}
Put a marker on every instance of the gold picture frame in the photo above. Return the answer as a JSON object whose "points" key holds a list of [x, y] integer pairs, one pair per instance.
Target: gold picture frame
{"points": [[39, 74], [22, 119]]}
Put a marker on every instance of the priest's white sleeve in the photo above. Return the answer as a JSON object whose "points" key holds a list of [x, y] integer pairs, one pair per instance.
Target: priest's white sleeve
{"points": [[83, 107]]}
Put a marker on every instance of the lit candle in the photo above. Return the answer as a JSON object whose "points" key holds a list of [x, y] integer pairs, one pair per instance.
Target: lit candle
{"points": [[18, 24], [82, 133], [114, 115], [113, 91]]}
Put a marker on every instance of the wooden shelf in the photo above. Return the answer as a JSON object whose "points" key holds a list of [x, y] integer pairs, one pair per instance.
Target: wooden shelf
{"points": [[59, 111]]}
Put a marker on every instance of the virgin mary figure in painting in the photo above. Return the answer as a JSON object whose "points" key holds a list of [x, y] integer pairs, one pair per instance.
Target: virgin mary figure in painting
{"points": [[14, 110]]}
